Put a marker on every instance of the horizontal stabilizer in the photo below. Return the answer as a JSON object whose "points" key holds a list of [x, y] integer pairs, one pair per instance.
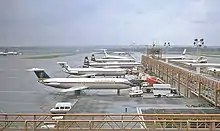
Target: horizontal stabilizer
{"points": [[74, 89], [35, 69], [61, 62]]}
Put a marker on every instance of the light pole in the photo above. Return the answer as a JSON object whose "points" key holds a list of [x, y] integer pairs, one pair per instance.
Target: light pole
{"points": [[198, 44], [154, 44], [132, 46], [166, 45]]}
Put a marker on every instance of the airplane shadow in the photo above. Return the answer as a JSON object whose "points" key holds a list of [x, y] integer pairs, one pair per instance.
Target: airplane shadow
{"points": [[66, 97]]}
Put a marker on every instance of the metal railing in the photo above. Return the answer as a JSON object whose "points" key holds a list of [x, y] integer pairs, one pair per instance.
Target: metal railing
{"points": [[110, 122]]}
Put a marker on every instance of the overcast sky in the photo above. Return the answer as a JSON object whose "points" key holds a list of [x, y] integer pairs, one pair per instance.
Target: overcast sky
{"points": [[105, 22]]}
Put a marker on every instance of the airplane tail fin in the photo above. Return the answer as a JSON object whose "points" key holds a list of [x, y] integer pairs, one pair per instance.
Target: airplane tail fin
{"points": [[105, 53], [40, 73], [64, 66], [6, 51], [93, 57], [184, 52], [86, 62]]}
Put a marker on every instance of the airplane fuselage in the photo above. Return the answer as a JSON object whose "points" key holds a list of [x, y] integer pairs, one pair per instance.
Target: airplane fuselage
{"points": [[3, 53], [115, 57], [97, 71], [121, 64], [91, 83], [113, 60], [12, 53]]}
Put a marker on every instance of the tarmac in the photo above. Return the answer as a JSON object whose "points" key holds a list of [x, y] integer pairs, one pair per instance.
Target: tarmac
{"points": [[107, 101]]}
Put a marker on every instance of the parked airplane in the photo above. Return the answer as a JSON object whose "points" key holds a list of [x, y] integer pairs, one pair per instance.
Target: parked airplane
{"points": [[204, 64], [201, 59], [111, 60], [101, 65], [3, 54], [88, 72], [107, 56], [13, 53], [78, 84], [9, 53], [176, 57], [214, 70]]}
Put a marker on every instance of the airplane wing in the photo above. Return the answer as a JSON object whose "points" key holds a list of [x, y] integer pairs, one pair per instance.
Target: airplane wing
{"points": [[87, 75], [106, 67], [74, 89]]}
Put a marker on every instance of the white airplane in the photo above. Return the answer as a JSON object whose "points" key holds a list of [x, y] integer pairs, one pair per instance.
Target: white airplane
{"points": [[198, 66], [203, 64], [107, 56], [201, 59], [78, 84], [13, 53], [111, 60], [3, 54], [212, 69], [88, 72], [109, 64], [176, 57], [9, 53]]}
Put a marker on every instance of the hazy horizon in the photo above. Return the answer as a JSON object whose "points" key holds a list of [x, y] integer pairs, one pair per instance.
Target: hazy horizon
{"points": [[113, 22]]}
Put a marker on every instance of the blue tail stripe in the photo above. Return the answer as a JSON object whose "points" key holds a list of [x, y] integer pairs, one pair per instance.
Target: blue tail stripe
{"points": [[41, 74]]}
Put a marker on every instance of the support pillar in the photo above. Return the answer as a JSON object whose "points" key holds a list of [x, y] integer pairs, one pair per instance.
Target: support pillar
{"points": [[216, 98], [188, 92], [172, 82], [166, 60], [197, 70], [178, 83], [167, 75], [188, 89], [118, 91], [158, 69], [199, 86]]}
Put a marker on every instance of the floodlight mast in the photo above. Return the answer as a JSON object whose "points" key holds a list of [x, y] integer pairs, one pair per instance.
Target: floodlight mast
{"points": [[198, 44], [166, 45]]}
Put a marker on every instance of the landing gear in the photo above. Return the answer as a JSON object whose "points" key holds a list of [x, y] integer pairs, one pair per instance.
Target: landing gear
{"points": [[118, 91], [77, 92]]}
